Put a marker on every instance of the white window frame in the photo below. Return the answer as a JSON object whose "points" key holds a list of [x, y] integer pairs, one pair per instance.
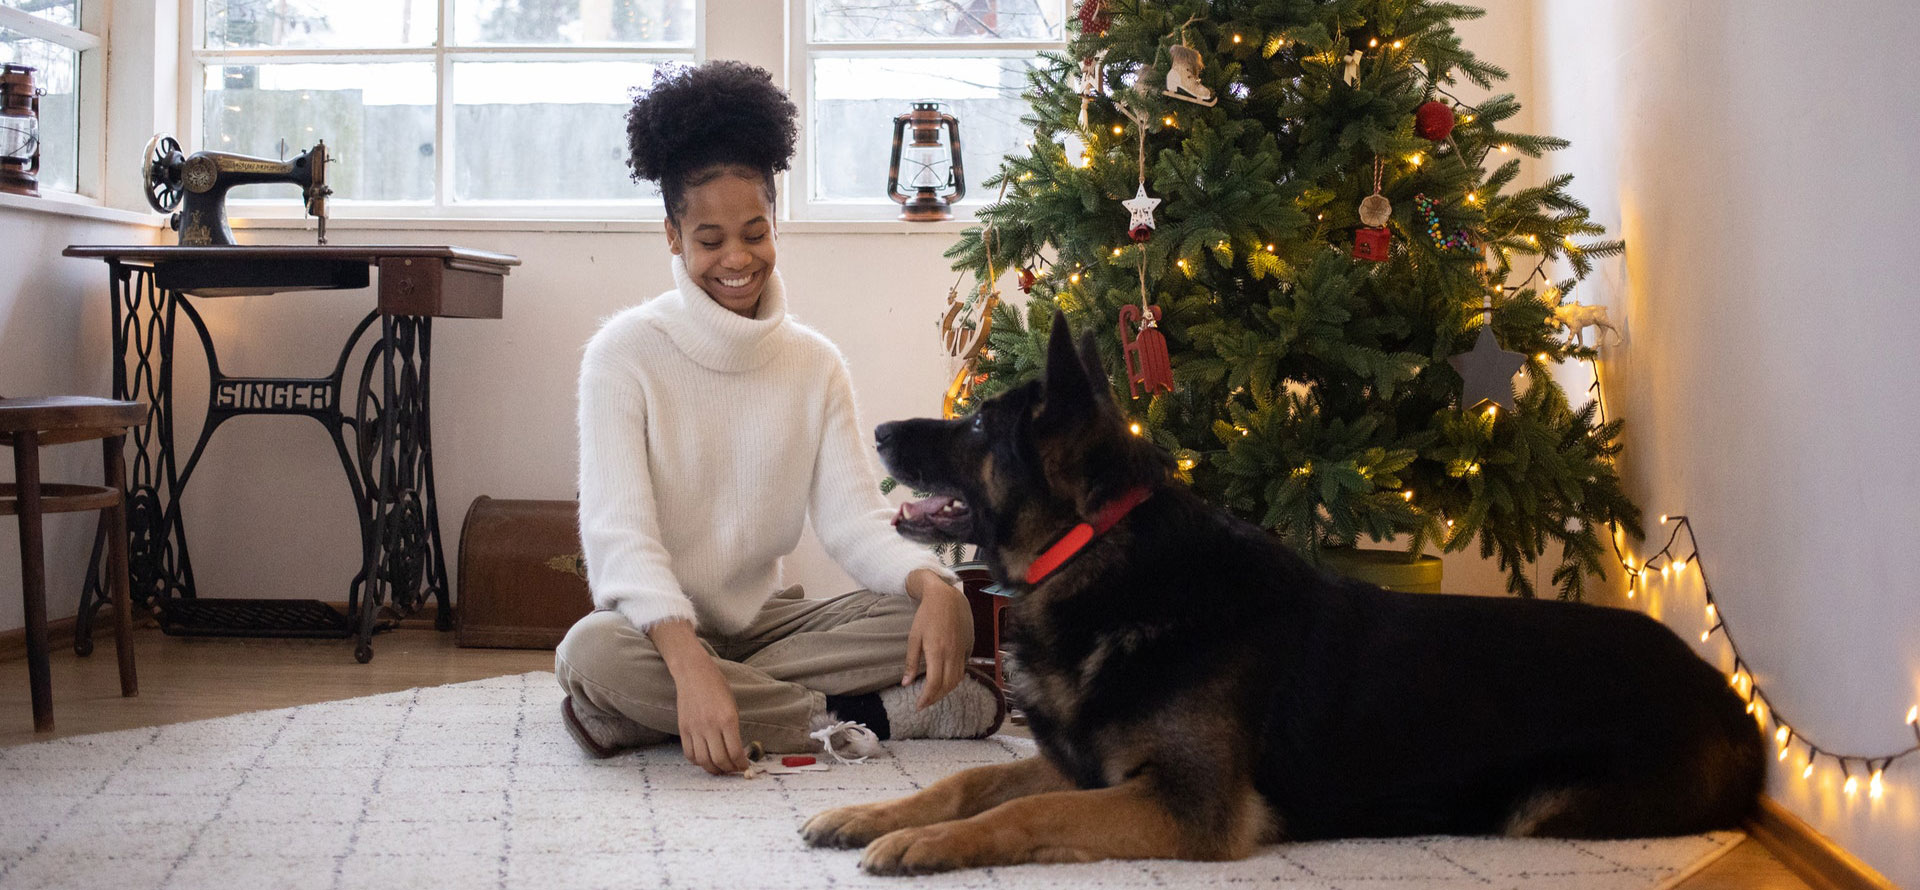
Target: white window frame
{"points": [[802, 50], [89, 168], [194, 59]]}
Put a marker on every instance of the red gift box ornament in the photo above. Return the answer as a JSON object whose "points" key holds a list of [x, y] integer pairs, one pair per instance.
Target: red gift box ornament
{"points": [[1433, 120], [1145, 350], [1372, 244]]}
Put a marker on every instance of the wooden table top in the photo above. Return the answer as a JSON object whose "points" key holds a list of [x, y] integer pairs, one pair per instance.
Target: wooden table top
{"points": [[371, 253]]}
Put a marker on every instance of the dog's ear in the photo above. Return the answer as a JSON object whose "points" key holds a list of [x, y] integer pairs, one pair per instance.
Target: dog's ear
{"points": [[1068, 393], [1096, 370]]}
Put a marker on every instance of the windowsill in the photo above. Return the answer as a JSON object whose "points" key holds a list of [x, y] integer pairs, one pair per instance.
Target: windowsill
{"points": [[946, 228], [67, 204]]}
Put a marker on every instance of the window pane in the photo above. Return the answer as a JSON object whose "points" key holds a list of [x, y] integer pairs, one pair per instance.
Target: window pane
{"points": [[64, 12], [57, 71], [856, 99], [544, 131], [546, 22], [320, 23], [376, 118], [933, 20]]}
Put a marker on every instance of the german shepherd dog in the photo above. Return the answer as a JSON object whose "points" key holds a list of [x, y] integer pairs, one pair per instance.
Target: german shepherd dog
{"points": [[1198, 690]]}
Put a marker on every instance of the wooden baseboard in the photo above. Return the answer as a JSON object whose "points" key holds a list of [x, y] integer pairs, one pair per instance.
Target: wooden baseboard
{"points": [[13, 643], [1810, 855]]}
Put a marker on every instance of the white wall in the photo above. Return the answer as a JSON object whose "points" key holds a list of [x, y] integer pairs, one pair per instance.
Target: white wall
{"points": [[1759, 161], [54, 338]]}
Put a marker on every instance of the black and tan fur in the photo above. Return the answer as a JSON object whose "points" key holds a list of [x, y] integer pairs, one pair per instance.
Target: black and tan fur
{"points": [[1197, 690]]}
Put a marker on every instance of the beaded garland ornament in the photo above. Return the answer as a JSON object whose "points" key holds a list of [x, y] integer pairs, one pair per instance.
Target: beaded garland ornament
{"points": [[1459, 240]]}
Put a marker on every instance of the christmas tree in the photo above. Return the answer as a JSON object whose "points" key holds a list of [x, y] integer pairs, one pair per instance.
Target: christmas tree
{"points": [[1322, 227]]}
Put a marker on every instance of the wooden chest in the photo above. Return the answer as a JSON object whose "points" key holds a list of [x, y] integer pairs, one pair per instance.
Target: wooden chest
{"points": [[523, 579]]}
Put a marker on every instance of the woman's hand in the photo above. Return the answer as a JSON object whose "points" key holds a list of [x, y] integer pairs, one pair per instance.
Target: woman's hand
{"points": [[941, 638], [708, 715]]}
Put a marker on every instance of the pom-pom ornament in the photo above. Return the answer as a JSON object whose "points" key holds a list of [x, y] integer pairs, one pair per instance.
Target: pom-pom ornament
{"points": [[1459, 240], [1140, 226], [1145, 350], [1433, 120]]}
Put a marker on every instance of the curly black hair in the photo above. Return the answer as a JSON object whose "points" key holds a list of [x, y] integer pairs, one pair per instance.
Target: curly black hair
{"points": [[696, 121]]}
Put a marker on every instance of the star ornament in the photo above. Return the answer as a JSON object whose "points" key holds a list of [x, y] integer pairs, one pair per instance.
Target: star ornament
{"points": [[1141, 206], [1487, 371]]}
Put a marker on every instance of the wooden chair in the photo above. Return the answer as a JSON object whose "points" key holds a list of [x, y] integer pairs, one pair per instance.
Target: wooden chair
{"points": [[26, 425]]}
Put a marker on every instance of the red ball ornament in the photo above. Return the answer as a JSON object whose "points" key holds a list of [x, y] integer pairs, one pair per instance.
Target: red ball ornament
{"points": [[1372, 244], [1094, 17], [1140, 233], [1026, 280], [1433, 120]]}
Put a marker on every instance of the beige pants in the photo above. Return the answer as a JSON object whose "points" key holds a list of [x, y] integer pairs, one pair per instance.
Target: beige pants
{"points": [[782, 667]]}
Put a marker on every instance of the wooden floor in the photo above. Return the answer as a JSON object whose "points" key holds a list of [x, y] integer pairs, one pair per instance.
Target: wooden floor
{"points": [[195, 679]]}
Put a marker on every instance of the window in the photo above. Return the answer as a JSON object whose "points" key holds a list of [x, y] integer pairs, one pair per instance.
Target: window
{"points": [[867, 61], [51, 37], [444, 107]]}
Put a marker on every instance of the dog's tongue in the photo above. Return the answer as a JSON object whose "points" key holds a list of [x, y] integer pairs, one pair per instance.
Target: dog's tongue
{"points": [[922, 510]]}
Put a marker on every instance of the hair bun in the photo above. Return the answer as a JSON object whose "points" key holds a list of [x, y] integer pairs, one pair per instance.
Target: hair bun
{"points": [[694, 117]]}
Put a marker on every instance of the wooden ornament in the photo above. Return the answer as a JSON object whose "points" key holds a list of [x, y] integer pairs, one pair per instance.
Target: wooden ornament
{"points": [[1149, 370], [1183, 77], [1375, 210]]}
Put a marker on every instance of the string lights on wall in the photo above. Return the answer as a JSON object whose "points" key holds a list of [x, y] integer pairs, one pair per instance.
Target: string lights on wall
{"points": [[1669, 562]]}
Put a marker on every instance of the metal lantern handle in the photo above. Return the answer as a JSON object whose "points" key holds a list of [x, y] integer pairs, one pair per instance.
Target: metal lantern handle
{"points": [[893, 165], [959, 171], [34, 168]]}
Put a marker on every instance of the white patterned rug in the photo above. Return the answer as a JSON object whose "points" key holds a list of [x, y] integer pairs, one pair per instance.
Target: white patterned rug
{"points": [[477, 785]]}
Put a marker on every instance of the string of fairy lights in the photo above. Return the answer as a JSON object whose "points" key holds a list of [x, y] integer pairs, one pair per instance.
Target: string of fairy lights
{"points": [[1669, 562]]}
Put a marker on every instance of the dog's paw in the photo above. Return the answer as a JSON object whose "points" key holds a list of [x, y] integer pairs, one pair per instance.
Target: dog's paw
{"points": [[927, 849], [849, 827]]}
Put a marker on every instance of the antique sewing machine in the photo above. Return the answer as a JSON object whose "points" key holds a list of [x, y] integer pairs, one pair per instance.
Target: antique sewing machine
{"points": [[200, 181]]}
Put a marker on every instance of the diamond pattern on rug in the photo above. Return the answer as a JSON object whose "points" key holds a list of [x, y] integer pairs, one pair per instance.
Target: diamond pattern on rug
{"points": [[477, 785]]}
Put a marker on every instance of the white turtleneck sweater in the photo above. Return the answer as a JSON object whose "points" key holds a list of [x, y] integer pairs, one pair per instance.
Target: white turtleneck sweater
{"points": [[706, 441]]}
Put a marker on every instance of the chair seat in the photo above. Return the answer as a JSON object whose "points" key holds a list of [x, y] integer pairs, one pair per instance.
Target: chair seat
{"points": [[53, 416], [59, 497]]}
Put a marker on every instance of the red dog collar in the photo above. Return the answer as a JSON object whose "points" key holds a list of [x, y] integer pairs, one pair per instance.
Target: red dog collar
{"points": [[1077, 537]]}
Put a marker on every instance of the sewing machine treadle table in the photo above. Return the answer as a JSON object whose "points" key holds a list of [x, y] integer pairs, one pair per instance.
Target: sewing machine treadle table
{"points": [[383, 438]]}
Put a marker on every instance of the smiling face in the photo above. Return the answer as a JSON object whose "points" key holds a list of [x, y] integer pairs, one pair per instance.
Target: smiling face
{"points": [[726, 237]]}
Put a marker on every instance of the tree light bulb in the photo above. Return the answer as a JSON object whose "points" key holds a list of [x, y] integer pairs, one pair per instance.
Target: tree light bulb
{"points": [[1853, 784], [1117, 130], [1712, 613], [1783, 754], [1505, 148], [1680, 566], [1398, 43], [1075, 278], [1706, 635], [1134, 428], [1415, 159], [1913, 714], [1873, 786], [1408, 494], [1116, 251], [1780, 735], [1808, 772], [1664, 571], [1236, 38]]}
